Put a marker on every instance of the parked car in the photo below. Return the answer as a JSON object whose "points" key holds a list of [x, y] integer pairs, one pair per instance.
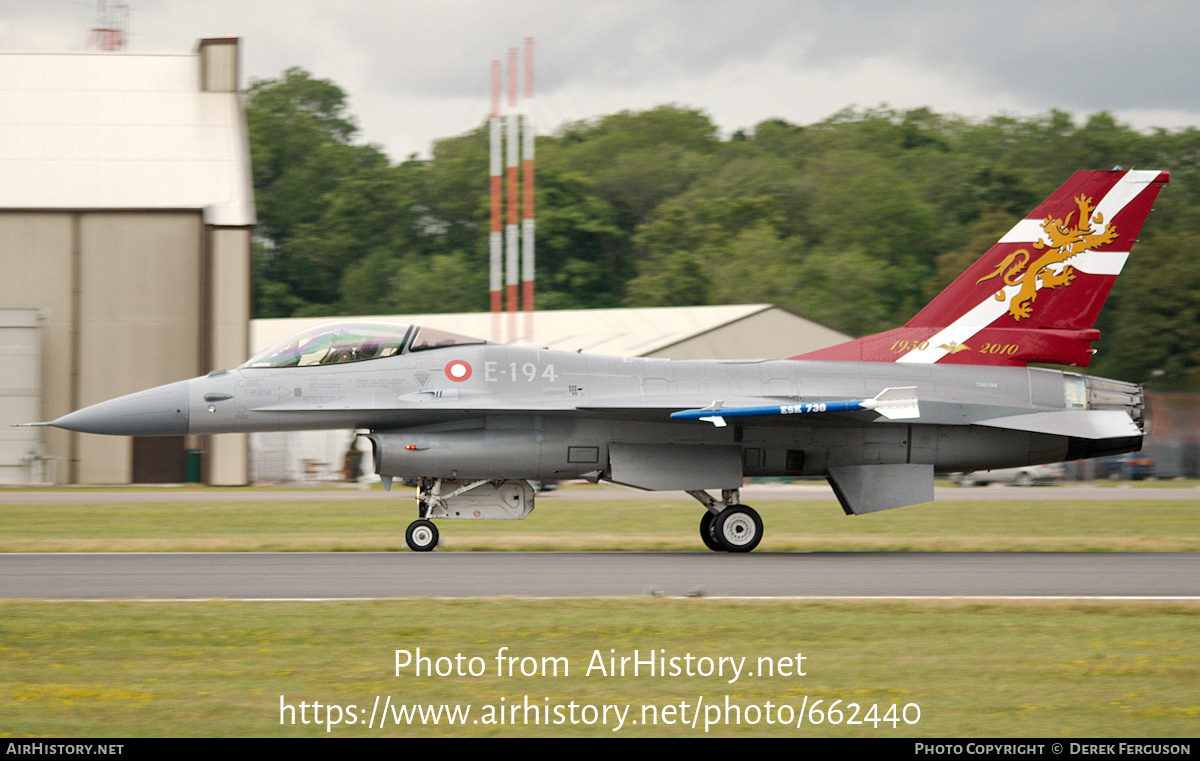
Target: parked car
{"points": [[1029, 475], [1132, 466]]}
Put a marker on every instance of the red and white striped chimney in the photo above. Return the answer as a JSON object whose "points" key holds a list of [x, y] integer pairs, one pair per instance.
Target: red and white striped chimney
{"points": [[511, 252], [495, 237], [527, 267], [512, 249]]}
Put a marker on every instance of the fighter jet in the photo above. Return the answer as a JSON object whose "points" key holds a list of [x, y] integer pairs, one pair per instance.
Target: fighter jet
{"points": [[471, 423]]}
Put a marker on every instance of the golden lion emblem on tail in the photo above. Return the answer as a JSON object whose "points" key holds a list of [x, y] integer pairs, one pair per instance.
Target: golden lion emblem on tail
{"points": [[1065, 241]]}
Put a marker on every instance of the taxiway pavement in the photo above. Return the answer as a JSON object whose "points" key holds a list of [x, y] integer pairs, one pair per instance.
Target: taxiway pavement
{"points": [[356, 575]]}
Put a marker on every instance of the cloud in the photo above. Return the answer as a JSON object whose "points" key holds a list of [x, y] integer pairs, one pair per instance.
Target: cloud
{"points": [[416, 71]]}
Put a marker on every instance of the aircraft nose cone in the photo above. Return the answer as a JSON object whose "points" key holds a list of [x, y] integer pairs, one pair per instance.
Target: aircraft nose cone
{"points": [[161, 411]]}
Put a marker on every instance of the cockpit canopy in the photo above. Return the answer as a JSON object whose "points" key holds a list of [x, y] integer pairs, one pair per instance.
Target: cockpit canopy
{"points": [[340, 342]]}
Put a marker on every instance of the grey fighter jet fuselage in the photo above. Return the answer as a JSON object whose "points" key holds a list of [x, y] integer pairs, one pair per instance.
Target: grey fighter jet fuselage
{"points": [[540, 414], [471, 422]]}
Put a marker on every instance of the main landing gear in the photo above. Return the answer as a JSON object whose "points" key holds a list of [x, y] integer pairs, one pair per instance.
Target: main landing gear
{"points": [[727, 525]]}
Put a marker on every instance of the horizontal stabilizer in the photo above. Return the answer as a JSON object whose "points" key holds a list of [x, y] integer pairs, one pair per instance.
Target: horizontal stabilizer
{"points": [[1084, 424], [892, 403]]}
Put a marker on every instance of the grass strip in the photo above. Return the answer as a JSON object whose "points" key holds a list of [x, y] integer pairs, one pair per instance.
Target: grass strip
{"points": [[377, 523]]}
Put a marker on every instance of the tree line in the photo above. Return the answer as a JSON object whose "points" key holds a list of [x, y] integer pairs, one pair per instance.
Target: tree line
{"points": [[854, 222]]}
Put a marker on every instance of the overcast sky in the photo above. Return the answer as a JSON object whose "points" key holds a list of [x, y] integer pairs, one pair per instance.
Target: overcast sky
{"points": [[418, 71]]}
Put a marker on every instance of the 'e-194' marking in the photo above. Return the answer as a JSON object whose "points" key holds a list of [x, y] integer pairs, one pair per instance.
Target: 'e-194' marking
{"points": [[527, 371]]}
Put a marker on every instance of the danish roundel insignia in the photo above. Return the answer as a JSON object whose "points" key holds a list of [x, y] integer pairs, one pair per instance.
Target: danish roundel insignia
{"points": [[458, 371]]}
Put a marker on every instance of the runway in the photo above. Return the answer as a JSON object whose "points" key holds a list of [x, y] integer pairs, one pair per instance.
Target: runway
{"points": [[352, 575]]}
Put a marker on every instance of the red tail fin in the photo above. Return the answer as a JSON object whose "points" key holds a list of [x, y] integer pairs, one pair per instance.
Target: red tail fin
{"points": [[1035, 295]]}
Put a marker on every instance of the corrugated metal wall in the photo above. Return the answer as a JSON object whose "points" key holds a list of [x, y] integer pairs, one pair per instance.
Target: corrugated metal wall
{"points": [[22, 458], [123, 305]]}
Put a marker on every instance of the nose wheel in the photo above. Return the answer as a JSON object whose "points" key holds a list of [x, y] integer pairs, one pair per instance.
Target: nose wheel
{"points": [[421, 536]]}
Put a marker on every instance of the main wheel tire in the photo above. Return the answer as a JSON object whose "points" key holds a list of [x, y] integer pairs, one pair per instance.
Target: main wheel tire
{"points": [[738, 528], [707, 534], [422, 536]]}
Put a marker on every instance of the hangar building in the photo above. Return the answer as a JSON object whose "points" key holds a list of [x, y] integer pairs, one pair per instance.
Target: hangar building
{"points": [[126, 211]]}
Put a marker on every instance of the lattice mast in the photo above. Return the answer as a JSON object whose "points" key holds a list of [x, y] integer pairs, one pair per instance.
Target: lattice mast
{"points": [[108, 32]]}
